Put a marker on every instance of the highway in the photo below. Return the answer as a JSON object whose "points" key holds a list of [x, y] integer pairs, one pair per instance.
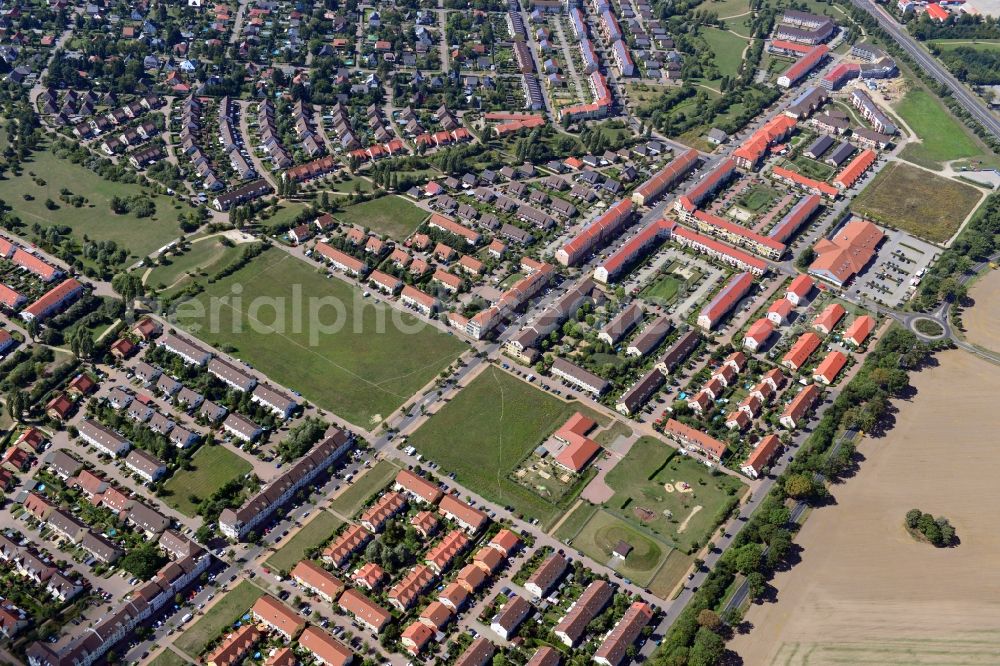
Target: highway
{"points": [[970, 101]]}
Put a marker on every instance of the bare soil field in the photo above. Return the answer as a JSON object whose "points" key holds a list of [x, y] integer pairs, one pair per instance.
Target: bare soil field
{"points": [[865, 592], [983, 320]]}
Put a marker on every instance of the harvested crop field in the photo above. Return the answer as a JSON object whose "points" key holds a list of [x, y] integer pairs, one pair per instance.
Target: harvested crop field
{"points": [[898, 198], [866, 592], [981, 320]]}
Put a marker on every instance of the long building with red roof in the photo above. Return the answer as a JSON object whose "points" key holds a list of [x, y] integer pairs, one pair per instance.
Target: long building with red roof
{"points": [[596, 109], [690, 200], [451, 226], [850, 174], [795, 218], [738, 235], [596, 233], [53, 300], [721, 251], [805, 64], [35, 264], [840, 258], [667, 177], [761, 456], [750, 153], [695, 439], [808, 184], [652, 233], [725, 300]]}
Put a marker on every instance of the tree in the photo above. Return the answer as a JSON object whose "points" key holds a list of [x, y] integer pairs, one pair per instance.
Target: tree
{"points": [[128, 286], [798, 486], [756, 585], [143, 561], [747, 558], [709, 619], [913, 517], [708, 648], [17, 402]]}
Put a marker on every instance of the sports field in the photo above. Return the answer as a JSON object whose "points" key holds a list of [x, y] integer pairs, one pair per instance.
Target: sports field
{"points": [[604, 532], [391, 215], [898, 197], [315, 532], [942, 137], [672, 496], [486, 430], [140, 236], [219, 618], [355, 357], [354, 497], [211, 468]]}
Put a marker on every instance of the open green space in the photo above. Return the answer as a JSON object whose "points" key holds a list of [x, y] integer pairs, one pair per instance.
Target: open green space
{"points": [[978, 45], [812, 168], [575, 521], [726, 48], [670, 573], [487, 430], [354, 497], [169, 658], [757, 198], [390, 215], [315, 532], [204, 257], [355, 357], [140, 236], [649, 493], [604, 532], [663, 290], [725, 8], [354, 184], [942, 137], [219, 617], [211, 468], [898, 197], [283, 215]]}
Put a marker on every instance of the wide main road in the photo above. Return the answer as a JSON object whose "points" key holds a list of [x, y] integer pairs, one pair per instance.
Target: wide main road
{"points": [[970, 102]]}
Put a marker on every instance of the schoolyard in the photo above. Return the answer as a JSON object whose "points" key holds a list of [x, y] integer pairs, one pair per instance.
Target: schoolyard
{"points": [[487, 430], [94, 219], [898, 197], [211, 468], [355, 357]]}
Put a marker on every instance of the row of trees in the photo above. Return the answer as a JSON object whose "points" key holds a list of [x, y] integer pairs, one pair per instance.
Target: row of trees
{"points": [[938, 531]]}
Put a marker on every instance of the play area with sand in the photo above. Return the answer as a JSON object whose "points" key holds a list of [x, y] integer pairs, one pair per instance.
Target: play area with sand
{"points": [[865, 592]]}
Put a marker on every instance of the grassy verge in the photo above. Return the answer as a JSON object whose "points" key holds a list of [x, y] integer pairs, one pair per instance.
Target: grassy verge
{"points": [[221, 616], [315, 532], [351, 500]]}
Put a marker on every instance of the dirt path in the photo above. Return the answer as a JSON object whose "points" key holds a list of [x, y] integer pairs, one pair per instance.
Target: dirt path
{"points": [[865, 592], [683, 526]]}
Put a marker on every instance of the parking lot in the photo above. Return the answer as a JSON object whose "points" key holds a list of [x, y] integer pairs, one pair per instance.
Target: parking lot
{"points": [[896, 271]]}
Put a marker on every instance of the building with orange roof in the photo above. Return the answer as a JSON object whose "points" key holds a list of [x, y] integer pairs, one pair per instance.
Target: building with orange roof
{"points": [[53, 300], [695, 439], [454, 595], [425, 523], [798, 71], [859, 330], [324, 648], [368, 576], [827, 320], [800, 405], [277, 616], [700, 191], [340, 260], [828, 369], [488, 559], [937, 13], [674, 172], [471, 519], [737, 234], [779, 311], [750, 153], [436, 615], [353, 539], [596, 233], [579, 449], [761, 456], [364, 610], [738, 286], [317, 580], [404, 593], [471, 578], [388, 505], [505, 541], [800, 352], [416, 636], [839, 259], [809, 184], [34, 264], [850, 174], [700, 402], [727, 254], [738, 420], [758, 334], [439, 221], [440, 557], [800, 287], [234, 646], [614, 649]]}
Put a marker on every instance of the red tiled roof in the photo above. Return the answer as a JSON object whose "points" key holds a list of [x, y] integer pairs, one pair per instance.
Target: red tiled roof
{"points": [[860, 329], [848, 252], [801, 350], [830, 367]]}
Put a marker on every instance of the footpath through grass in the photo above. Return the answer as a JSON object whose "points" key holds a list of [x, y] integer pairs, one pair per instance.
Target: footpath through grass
{"points": [[355, 357], [942, 137], [484, 433], [315, 532], [219, 618], [211, 468]]}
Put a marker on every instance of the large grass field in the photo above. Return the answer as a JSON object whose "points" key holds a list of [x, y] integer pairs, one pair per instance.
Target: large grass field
{"points": [[727, 49], [391, 215], [604, 531], [94, 219], [220, 617], [670, 572], [315, 532], [486, 430], [211, 468], [642, 498], [899, 197], [358, 358], [204, 257], [353, 498], [942, 137]]}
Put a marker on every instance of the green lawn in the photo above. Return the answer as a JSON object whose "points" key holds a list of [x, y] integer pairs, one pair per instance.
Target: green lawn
{"points": [[219, 618], [663, 290], [94, 219], [486, 430], [205, 256], [211, 468], [169, 658], [942, 137], [757, 198], [354, 497], [642, 499], [315, 532], [391, 215], [727, 49], [285, 214], [897, 197], [812, 168], [350, 185], [575, 521], [604, 531], [670, 573], [725, 8], [357, 358]]}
